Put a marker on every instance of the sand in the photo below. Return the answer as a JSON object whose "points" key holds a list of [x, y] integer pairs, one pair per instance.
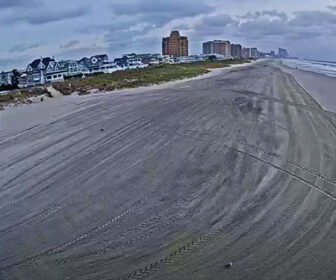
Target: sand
{"points": [[234, 168], [321, 87], [25, 116]]}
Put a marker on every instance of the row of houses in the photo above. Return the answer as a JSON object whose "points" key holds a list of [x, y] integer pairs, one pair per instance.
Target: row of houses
{"points": [[174, 50], [47, 69]]}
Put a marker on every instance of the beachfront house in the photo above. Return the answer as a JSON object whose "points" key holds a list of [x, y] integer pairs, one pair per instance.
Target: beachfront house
{"points": [[189, 59], [98, 64], [42, 71], [147, 58], [6, 78], [132, 61], [55, 72], [48, 70], [35, 72], [73, 68], [166, 59]]}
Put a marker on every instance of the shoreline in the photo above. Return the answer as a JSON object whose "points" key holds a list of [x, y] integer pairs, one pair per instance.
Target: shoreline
{"points": [[320, 86]]}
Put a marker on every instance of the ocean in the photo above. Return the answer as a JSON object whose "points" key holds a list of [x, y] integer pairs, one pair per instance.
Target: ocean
{"points": [[322, 67]]}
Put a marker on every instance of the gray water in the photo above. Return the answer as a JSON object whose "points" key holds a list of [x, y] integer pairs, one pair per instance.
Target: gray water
{"points": [[322, 67]]}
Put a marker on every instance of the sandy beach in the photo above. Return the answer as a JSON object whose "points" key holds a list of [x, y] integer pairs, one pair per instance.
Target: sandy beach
{"points": [[174, 181], [25, 116]]}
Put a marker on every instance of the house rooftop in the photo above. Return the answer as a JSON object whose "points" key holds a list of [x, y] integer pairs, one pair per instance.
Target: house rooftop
{"points": [[45, 61]]}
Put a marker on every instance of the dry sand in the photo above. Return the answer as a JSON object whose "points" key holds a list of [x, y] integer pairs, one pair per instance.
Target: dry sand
{"points": [[25, 116], [235, 168]]}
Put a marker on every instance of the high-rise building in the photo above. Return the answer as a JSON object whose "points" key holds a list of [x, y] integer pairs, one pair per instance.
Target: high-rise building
{"points": [[236, 51], [254, 53], [175, 45], [208, 48], [283, 53], [246, 53], [250, 53], [217, 47]]}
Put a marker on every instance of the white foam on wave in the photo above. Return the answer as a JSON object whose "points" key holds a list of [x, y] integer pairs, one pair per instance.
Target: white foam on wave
{"points": [[322, 67]]}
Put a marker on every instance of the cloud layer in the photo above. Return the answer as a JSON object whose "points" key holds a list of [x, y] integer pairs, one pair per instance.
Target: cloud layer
{"points": [[71, 29]]}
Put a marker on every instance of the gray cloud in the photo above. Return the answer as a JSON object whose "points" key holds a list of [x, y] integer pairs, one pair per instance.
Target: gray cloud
{"points": [[123, 40], [10, 63], [333, 8], [23, 47], [259, 14], [311, 18], [69, 44], [39, 17], [261, 28], [269, 28], [172, 8], [18, 3], [78, 53], [266, 25], [69, 28], [116, 25], [213, 26], [53, 16], [302, 35], [218, 20], [292, 31]]}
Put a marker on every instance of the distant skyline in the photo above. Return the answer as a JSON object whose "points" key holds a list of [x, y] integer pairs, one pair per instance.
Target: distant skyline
{"points": [[73, 29]]}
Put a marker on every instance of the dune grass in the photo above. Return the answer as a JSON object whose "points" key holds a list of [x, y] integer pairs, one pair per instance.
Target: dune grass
{"points": [[22, 95], [121, 79], [141, 77]]}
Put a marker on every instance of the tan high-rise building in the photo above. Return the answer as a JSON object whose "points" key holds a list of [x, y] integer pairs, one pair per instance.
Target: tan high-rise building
{"points": [[217, 47], [175, 45]]}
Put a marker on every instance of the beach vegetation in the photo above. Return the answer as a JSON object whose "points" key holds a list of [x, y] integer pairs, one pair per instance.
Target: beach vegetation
{"points": [[140, 77]]}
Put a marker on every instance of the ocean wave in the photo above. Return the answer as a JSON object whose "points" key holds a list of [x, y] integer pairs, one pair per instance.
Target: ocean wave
{"points": [[321, 67]]}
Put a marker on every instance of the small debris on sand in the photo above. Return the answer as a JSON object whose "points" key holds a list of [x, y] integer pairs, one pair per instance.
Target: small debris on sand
{"points": [[228, 265]]}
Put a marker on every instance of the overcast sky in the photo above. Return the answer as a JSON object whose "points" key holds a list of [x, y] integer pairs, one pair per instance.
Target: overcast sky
{"points": [[76, 28]]}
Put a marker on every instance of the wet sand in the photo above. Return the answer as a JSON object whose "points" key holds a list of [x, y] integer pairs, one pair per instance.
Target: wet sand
{"points": [[321, 87]]}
